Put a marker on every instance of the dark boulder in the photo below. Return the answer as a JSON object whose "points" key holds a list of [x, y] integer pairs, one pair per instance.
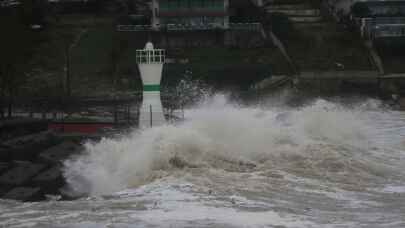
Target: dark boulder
{"points": [[5, 154], [21, 173], [3, 167], [25, 194], [59, 153], [50, 180], [28, 147]]}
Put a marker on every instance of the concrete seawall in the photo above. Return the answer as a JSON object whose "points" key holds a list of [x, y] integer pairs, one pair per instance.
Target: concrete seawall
{"points": [[340, 82]]}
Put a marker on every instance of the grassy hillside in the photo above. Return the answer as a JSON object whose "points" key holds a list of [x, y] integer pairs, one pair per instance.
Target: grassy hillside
{"points": [[325, 46], [102, 56]]}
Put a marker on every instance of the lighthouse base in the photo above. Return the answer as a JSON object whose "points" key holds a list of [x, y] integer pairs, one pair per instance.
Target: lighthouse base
{"points": [[151, 112]]}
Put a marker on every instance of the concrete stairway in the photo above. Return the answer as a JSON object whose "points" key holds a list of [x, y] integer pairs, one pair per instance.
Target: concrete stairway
{"points": [[299, 11]]}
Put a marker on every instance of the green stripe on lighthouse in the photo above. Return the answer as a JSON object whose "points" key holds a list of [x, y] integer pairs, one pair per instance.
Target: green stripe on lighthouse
{"points": [[151, 87]]}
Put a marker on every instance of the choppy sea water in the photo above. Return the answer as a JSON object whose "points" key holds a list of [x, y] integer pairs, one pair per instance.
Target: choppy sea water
{"points": [[319, 165]]}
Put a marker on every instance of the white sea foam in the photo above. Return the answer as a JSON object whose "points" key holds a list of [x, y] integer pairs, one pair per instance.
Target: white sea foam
{"points": [[317, 139]]}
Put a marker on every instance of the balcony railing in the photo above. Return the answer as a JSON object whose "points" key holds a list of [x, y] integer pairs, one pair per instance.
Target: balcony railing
{"points": [[185, 27], [145, 56], [181, 12], [213, 26], [381, 31], [191, 27], [129, 28], [382, 27]]}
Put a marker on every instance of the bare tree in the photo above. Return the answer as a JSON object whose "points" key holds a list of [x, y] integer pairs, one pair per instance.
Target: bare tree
{"points": [[16, 48], [116, 55]]}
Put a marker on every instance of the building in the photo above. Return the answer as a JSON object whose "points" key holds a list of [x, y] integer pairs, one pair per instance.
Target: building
{"points": [[380, 19], [199, 23], [190, 14], [197, 15]]}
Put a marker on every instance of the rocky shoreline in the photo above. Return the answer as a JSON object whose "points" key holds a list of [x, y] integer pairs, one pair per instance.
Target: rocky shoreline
{"points": [[31, 165], [32, 156]]}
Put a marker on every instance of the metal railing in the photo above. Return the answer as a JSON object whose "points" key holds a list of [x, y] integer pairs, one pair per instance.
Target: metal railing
{"points": [[381, 27], [150, 56], [381, 31], [191, 27], [191, 4], [130, 28], [116, 110], [176, 12]]}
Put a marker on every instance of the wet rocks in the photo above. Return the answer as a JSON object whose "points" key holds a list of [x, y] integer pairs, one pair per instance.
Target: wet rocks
{"points": [[25, 194], [21, 173], [180, 163], [29, 146], [31, 159], [402, 103], [5, 154], [177, 162], [60, 152], [19, 127], [31, 166], [52, 178], [4, 190], [3, 166]]}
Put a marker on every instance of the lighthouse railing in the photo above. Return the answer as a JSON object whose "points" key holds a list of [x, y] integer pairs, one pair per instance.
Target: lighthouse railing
{"points": [[144, 56]]}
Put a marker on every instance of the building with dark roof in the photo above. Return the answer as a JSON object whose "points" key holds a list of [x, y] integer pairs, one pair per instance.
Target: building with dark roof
{"points": [[190, 14], [380, 19]]}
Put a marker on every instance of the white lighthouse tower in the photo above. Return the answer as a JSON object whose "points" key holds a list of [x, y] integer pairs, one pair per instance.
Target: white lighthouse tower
{"points": [[150, 62]]}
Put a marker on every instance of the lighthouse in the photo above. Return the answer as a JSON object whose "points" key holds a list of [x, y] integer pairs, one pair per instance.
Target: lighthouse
{"points": [[150, 62]]}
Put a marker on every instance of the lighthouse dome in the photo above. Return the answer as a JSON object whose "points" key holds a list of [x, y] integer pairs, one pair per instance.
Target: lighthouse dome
{"points": [[149, 46]]}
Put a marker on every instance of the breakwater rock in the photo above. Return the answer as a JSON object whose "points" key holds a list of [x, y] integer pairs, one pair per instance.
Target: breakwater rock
{"points": [[31, 165]]}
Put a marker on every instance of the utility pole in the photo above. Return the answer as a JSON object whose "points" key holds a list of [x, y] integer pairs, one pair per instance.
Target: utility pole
{"points": [[67, 58], [68, 51]]}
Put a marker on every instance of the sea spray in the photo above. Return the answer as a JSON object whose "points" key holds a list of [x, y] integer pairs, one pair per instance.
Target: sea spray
{"points": [[321, 164], [323, 140]]}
